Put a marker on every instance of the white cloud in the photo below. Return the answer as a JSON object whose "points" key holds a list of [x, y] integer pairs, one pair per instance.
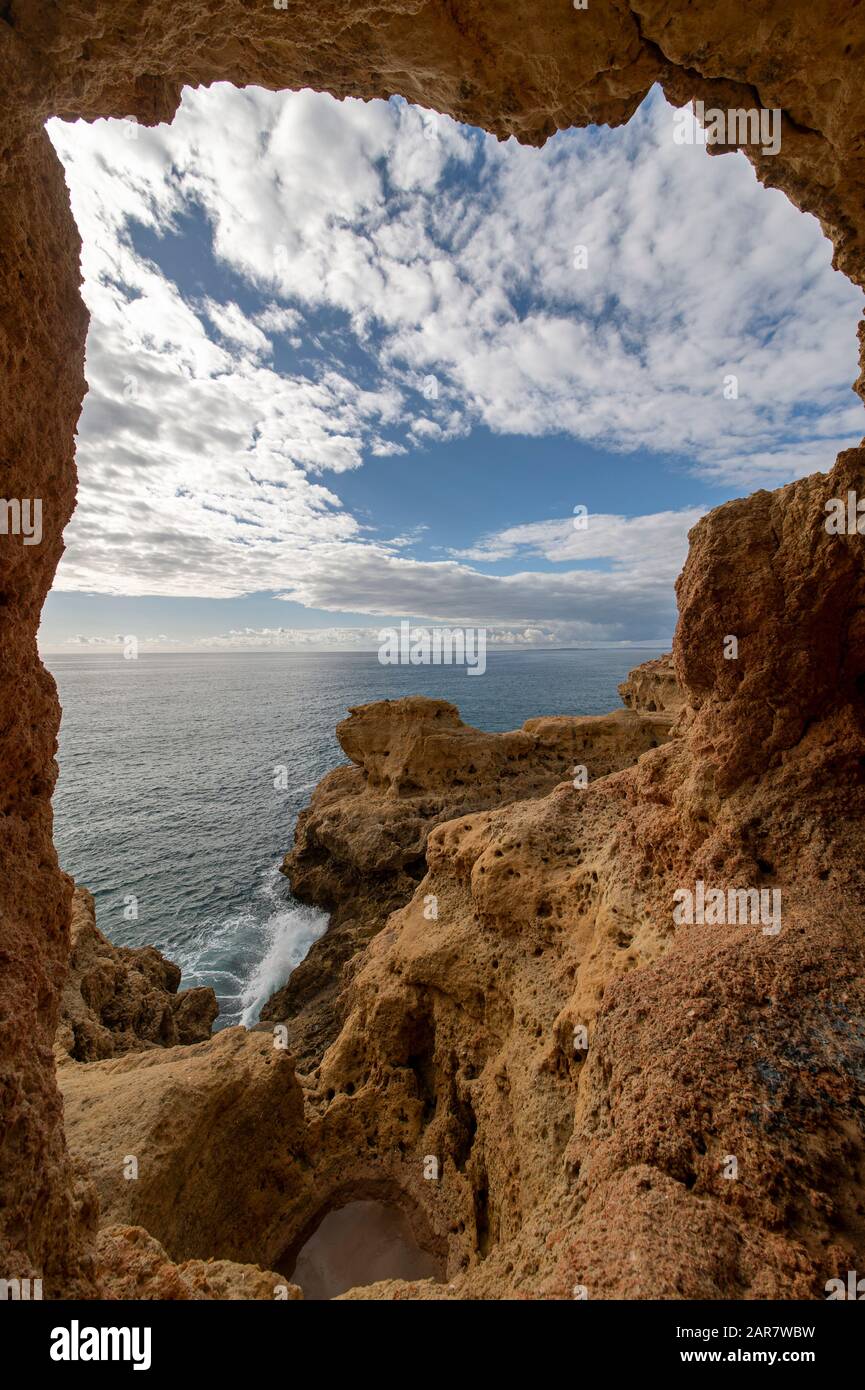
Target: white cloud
{"points": [[370, 638], [230, 321], [656, 542], [440, 253], [329, 639], [622, 603]]}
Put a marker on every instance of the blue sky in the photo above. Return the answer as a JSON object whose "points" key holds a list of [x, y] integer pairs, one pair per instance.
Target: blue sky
{"points": [[346, 366]]}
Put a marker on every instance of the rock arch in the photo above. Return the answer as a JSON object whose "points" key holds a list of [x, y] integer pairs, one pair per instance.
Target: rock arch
{"points": [[514, 69]]}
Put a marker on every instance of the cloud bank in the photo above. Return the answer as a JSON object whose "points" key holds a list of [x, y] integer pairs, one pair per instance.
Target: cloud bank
{"points": [[390, 280]]}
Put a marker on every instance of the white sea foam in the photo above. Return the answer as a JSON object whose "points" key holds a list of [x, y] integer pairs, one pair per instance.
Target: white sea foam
{"points": [[289, 933], [249, 955]]}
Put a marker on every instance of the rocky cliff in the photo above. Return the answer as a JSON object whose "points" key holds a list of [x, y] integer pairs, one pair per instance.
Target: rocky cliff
{"points": [[560, 1083], [653, 686], [606, 1165], [180, 1115], [121, 999], [704, 1136], [360, 846]]}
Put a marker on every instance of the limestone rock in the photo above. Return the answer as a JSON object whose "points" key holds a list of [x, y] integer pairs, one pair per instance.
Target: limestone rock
{"points": [[215, 1130], [119, 999], [45, 1226], [653, 686], [603, 1158], [582, 1067], [556, 1170], [360, 846], [133, 1265]]}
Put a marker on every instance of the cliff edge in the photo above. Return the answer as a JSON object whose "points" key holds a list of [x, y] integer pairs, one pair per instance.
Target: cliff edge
{"points": [[563, 1080], [123, 999], [360, 847]]}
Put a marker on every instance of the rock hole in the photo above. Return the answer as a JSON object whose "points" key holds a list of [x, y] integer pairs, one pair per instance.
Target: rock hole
{"points": [[359, 1244]]}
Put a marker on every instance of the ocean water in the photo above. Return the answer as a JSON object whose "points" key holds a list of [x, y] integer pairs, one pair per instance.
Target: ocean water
{"points": [[166, 807]]}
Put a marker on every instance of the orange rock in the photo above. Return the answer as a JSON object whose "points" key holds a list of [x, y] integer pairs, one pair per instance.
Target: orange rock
{"points": [[360, 846], [120, 999], [553, 912], [134, 1265]]}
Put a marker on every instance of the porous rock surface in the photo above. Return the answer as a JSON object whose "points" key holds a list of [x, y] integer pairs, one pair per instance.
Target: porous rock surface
{"points": [[703, 1043], [360, 846], [597, 1159], [606, 1167], [124, 999], [215, 1130], [653, 686], [134, 1265]]}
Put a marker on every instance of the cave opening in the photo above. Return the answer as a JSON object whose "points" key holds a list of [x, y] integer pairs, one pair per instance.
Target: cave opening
{"points": [[196, 301], [363, 1242], [191, 310], [44, 384]]}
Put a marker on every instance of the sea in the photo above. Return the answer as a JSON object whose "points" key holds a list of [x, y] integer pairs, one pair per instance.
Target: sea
{"points": [[182, 776]]}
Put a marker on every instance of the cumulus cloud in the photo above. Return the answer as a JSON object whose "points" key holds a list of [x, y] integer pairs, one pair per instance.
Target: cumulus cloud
{"points": [[655, 544], [428, 281]]}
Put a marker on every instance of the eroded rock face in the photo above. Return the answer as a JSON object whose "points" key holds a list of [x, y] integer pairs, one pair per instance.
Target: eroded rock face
{"points": [[652, 687], [792, 594], [360, 847], [121, 999], [45, 1222], [698, 1042], [134, 1265], [581, 1066], [217, 1135], [608, 1166]]}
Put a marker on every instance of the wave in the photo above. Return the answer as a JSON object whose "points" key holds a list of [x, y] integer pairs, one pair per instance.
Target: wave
{"points": [[247, 956], [289, 935]]}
